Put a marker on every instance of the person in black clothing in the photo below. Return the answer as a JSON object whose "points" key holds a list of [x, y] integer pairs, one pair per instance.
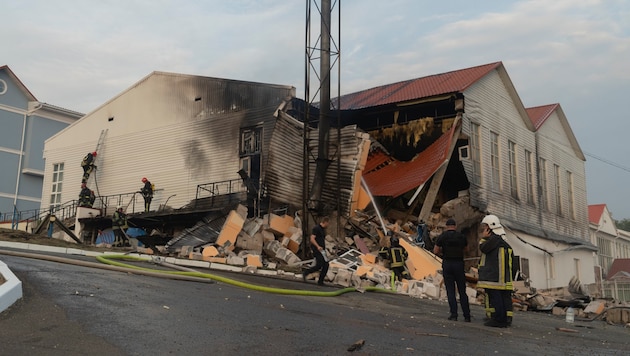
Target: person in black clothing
{"points": [[119, 224], [85, 196], [318, 239], [147, 194], [88, 166], [397, 256], [451, 245]]}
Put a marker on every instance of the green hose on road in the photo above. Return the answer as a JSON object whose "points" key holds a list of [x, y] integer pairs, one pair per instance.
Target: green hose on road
{"points": [[109, 259]]}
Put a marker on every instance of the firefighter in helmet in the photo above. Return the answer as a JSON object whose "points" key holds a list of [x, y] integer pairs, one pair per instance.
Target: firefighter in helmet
{"points": [[88, 166], [396, 255]]}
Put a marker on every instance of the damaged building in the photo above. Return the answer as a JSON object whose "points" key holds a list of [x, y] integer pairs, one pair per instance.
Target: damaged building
{"points": [[453, 145], [461, 145]]}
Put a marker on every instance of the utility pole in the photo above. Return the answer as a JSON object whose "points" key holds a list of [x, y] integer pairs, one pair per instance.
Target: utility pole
{"points": [[323, 48]]}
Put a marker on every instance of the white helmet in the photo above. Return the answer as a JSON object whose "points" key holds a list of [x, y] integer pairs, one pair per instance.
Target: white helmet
{"points": [[494, 224]]}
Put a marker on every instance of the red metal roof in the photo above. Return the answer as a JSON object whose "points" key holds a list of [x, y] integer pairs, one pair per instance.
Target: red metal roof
{"points": [[539, 114], [398, 177], [595, 212], [618, 265], [437, 84]]}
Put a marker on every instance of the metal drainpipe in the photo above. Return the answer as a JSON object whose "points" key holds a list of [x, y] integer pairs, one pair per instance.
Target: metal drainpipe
{"points": [[19, 170]]}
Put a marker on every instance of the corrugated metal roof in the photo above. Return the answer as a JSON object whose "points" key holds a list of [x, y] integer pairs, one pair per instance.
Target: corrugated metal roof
{"points": [[618, 265], [539, 114], [438, 84], [595, 212], [398, 177]]}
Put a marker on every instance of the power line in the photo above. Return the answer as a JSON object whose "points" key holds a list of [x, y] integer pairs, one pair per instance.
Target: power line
{"points": [[617, 165]]}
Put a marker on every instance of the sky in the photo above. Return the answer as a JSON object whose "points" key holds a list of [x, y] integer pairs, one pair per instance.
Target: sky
{"points": [[79, 54]]}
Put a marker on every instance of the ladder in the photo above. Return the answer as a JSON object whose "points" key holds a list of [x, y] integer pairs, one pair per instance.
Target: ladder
{"points": [[101, 138]]}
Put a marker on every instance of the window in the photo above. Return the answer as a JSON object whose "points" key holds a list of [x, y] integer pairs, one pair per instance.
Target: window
{"points": [[512, 169], [57, 182], [525, 267], [604, 254], [251, 141], [475, 152], [494, 161], [570, 195], [544, 198], [529, 177], [556, 185]]}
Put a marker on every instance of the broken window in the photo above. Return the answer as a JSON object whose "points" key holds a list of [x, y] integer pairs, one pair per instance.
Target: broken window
{"points": [[543, 184], [57, 182], [570, 195], [558, 193], [577, 264], [512, 169], [251, 141], [494, 161], [475, 152], [529, 177]]}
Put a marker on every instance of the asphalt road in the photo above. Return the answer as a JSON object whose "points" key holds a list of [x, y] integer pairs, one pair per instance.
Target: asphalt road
{"points": [[72, 310]]}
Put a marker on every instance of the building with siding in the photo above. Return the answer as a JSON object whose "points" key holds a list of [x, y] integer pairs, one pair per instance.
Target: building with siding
{"points": [[179, 131], [523, 165], [26, 123]]}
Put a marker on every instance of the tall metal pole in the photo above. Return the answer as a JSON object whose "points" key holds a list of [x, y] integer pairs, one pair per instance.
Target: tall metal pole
{"points": [[324, 110]]}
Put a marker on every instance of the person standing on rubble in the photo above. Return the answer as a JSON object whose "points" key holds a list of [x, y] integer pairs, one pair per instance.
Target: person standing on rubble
{"points": [[451, 245], [119, 224], [495, 269], [397, 256], [318, 246], [88, 166], [147, 194]]}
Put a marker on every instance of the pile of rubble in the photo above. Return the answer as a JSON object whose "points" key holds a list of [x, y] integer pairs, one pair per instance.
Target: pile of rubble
{"points": [[271, 246]]}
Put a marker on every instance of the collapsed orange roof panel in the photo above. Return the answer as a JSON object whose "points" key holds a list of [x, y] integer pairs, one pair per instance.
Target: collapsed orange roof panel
{"points": [[398, 177]]}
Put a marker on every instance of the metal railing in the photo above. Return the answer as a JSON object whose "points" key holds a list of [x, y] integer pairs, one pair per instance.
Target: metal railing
{"points": [[215, 189]]}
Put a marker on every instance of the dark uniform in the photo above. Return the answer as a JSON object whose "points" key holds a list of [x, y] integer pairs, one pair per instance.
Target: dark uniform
{"points": [[147, 194], [119, 223], [88, 166], [321, 263], [452, 245], [495, 275], [85, 197], [397, 256]]}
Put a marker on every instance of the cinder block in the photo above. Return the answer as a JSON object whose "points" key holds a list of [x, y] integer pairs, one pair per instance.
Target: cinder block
{"points": [[293, 246], [235, 261], [343, 278], [271, 248], [363, 270], [210, 251], [195, 256], [267, 236], [595, 307], [279, 225], [231, 229], [368, 258], [254, 260], [431, 291]]}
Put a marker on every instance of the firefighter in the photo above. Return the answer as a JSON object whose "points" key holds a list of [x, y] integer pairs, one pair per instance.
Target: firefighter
{"points": [[495, 270], [397, 256], [84, 196], [88, 166], [147, 194], [119, 224]]}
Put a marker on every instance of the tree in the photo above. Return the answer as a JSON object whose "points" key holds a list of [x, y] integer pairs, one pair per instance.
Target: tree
{"points": [[623, 224]]}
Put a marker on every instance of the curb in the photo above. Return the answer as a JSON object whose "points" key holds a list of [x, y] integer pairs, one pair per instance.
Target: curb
{"points": [[11, 289]]}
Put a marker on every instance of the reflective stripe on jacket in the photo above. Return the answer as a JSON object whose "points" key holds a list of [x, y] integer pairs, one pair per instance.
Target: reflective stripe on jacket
{"points": [[495, 266]]}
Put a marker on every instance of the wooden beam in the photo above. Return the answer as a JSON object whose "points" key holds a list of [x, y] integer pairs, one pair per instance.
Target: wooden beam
{"points": [[429, 200]]}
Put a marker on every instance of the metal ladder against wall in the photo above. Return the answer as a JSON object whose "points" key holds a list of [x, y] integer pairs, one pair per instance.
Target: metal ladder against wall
{"points": [[99, 144]]}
